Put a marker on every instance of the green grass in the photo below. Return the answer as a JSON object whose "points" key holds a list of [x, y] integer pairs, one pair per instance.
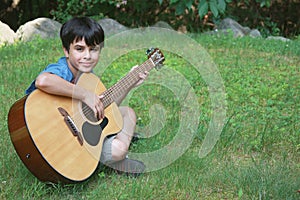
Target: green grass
{"points": [[256, 157]]}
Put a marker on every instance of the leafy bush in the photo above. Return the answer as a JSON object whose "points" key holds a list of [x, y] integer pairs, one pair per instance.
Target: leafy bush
{"points": [[67, 9], [202, 6], [190, 15], [271, 17]]}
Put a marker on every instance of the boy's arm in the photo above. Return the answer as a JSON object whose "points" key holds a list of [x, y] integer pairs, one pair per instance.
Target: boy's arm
{"points": [[53, 84]]}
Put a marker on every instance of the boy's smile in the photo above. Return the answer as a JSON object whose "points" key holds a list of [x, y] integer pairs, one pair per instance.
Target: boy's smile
{"points": [[81, 57]]}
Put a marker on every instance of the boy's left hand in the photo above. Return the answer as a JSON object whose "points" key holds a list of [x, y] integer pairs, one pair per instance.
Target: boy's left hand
{"points": [[142, 76]]}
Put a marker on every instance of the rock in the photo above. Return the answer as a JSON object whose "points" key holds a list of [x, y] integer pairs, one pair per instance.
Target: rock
{"points": [[255, 33], [217, 32], [230, 24], [111, 26], [43, 27], [162, 24], [227, 25], [283, 39], [7, 35]]}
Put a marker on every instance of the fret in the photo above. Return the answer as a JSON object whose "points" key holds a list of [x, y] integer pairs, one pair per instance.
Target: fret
{"points": [[131, 78], [128, 81]]}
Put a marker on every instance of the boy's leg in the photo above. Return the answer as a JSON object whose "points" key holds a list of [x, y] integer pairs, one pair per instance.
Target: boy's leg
{"points": [[115, 148], [122, 141]]}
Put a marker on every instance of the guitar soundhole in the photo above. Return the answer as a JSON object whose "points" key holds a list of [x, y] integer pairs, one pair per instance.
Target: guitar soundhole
{"points": [[89, 113]]}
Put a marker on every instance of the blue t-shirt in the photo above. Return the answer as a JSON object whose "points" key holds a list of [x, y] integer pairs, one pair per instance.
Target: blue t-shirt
{"points": [[60, 69]]}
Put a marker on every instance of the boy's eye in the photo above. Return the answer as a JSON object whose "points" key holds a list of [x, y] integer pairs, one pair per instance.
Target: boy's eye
{"points": [[78, 48], [94, 48]]}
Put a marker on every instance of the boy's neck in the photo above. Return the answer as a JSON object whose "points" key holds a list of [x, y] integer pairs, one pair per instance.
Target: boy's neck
{"points": [[73, 69]]}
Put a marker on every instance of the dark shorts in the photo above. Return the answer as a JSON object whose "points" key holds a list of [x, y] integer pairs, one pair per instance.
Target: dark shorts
{"points": [[106, 155]]}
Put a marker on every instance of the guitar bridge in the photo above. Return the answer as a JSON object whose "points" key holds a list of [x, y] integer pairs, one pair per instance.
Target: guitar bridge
{"points": [[72, 126]]}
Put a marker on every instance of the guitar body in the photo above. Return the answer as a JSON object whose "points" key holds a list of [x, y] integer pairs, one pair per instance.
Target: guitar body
{"points": [[45, 142]]}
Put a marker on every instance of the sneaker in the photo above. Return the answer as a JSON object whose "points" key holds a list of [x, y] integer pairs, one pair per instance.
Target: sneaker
{"points": [[136, 137], [128, 166]]}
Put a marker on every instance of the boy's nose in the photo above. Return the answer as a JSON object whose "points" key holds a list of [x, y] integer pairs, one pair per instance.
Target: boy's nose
{"points": [[87, 54]]}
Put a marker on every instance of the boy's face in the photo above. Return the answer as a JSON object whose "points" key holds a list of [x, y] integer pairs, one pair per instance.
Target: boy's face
{"points": [[81, 57]]}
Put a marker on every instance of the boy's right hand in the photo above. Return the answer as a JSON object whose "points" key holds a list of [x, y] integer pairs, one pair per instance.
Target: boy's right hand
{"points": [[95, 103]]}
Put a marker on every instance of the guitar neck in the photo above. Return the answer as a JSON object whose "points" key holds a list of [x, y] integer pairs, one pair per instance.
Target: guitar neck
{"points": [[126, 83]]}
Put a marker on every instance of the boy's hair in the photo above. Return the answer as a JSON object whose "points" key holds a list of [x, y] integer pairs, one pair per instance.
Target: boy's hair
{"points": [[78, 28]]}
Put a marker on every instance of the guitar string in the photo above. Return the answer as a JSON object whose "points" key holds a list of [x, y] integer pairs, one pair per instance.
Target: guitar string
{"points": [[109, 95], [117, 89], [129, 80], [124, 83]]}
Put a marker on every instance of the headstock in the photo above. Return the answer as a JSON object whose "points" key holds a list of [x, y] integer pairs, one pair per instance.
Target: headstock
{"points": [[156, 56]]}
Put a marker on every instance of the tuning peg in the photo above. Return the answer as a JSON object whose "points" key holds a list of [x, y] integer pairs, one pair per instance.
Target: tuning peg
{"points": [[149, 51]]}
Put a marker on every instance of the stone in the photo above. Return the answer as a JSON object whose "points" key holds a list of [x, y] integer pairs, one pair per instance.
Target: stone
{"points": [[255, 33], [228, 25], [42, 27], [236, 28], [162, 24], [283, 39], [111, 26], [7, 35]]}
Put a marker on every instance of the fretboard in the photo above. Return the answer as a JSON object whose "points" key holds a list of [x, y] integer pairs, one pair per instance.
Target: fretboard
{"points": [[125, 83]]}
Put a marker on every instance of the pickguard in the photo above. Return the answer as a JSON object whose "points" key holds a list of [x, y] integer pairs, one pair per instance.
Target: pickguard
{"points": [[92, 133]]}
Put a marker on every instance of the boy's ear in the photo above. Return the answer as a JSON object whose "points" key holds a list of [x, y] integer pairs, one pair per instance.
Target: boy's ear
{"points": [[66, 52]]}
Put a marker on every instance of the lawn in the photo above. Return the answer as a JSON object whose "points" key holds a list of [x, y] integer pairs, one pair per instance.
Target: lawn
{"points": [[256, 155]]}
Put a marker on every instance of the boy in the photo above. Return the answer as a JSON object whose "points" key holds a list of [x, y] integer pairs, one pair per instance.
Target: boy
{"points": [[82, 39]]}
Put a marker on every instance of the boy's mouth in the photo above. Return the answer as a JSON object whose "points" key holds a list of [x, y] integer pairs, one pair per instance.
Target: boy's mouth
{"points": [[86, 64]]}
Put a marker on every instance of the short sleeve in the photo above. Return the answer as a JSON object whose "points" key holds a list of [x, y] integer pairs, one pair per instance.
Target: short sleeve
{"points": [[60, 69]]}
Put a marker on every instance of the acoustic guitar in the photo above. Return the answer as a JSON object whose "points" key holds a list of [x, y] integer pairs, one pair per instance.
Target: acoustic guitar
{"points": [[58, 138]]}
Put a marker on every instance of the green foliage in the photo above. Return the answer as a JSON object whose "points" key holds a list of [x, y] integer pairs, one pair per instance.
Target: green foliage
{"points": [[190, 8], [270, 17], [67, 9], [269, 28], [262, 3], [217, 7]]}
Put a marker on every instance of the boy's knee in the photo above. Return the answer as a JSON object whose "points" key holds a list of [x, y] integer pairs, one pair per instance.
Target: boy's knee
{"points": [[132, 114], [119, 150], [128, 112]]}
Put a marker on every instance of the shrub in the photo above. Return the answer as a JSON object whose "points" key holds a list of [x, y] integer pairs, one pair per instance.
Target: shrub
{"points": [[271, 17]]}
